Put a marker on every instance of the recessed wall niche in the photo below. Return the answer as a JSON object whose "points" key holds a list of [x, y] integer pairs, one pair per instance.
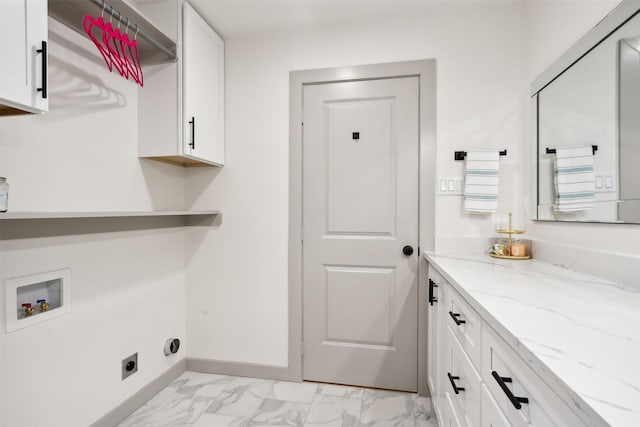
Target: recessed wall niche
{"points": [[36, 298]]}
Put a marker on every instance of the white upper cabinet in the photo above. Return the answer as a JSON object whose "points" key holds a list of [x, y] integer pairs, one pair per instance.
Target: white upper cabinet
{"points": [[23, 57], [181, 106], [203, 89]]}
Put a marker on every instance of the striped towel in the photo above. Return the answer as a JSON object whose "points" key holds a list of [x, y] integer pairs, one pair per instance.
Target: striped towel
{"points": [[481, 182], [573, 177]]}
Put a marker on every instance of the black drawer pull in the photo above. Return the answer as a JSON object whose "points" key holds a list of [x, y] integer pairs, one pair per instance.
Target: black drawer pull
{"points": [[454, 316], [432, 285], [43, 51], [515, 400], [192, 122], [456, 389]]}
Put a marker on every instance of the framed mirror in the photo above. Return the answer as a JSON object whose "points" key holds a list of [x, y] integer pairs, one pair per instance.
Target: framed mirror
{"points": [[587, 126]]}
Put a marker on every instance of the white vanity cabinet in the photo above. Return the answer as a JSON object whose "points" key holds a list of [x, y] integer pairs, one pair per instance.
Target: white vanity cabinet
{"points": [[23, 57], [475, 378], [181, 106]]}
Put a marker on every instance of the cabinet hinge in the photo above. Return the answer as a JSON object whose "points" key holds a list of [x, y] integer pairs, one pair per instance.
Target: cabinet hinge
{"points": [[302, 233], [301, 348]]}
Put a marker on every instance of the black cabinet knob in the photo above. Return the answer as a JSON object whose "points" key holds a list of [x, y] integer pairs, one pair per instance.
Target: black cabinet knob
{"points": [[407, 250]]}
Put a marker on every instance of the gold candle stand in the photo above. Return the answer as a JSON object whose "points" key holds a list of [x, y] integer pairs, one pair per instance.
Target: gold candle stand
{"points": [[510, 232]]}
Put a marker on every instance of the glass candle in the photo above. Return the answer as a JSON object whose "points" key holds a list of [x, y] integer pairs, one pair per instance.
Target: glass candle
{"points": [[517, 248]]}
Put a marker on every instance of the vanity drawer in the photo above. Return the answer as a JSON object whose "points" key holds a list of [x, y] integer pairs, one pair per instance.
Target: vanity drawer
{"points": [[448, 416], [465, 323], [492, 415], [461, 382], [521, 394]]}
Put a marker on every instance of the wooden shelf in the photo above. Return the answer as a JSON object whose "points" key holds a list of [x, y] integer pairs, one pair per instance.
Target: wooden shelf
{"points": [[72, 12], [106, 214], [25, 225]]}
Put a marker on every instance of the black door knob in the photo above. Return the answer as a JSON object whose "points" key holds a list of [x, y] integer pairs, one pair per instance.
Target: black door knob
{"points": [[407, 250]]}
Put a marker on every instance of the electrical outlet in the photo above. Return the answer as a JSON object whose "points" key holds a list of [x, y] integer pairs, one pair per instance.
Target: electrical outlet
{"points": [[129, 365]]}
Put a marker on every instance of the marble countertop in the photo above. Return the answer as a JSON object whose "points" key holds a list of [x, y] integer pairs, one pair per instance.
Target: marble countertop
{"points": [[580, 333]]}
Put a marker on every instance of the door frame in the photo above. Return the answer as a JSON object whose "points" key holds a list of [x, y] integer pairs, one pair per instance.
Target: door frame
{"points": [[425, 70]]}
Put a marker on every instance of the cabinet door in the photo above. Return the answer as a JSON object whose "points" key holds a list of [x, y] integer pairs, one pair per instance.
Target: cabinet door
{"points": [[203, 89], [434, 343], [442, 350], [23, 29]]}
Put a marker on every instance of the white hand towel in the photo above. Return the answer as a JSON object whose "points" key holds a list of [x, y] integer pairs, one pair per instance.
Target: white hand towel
{"points": [[573, 176], [481, 182]]}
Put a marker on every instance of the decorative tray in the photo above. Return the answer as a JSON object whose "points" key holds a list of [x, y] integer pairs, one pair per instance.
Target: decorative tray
{"points": [[510, 257]]}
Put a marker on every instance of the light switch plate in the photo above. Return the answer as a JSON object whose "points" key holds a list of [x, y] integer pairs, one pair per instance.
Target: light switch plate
{"points": [[605, 182], [450, 185], [599, 181]]}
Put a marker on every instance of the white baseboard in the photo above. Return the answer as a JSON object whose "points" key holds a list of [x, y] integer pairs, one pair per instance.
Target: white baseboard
{"points": [[242, 369], [129, 406]]}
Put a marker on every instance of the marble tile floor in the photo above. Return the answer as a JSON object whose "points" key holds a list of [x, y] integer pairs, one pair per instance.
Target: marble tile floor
{"points": [[207, 400]]}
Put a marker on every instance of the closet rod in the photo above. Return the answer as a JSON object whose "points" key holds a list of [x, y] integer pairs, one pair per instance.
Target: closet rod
{"points": [[108, 8]]}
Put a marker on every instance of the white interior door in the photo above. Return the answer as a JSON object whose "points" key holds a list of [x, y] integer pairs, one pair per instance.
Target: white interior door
{"points": [[360, 209]]}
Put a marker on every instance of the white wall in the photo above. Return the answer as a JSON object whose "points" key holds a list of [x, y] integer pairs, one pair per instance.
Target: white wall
{"points": [[551, 28], [237, 275], [127, 297], [127, 287]]}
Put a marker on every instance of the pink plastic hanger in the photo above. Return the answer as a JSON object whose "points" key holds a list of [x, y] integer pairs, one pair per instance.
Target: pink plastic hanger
{"points": [[89, 24], [115, 46], [109, 38], [126, 48], [135, 55]]}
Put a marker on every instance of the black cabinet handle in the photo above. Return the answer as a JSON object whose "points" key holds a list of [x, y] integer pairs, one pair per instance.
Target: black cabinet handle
{"points": [[192, 122], [454, 316], [43, 51], [515, 400], [432, 285], [452, 379]]}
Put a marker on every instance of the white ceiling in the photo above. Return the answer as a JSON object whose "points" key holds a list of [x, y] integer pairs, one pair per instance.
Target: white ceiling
{"points": [[236, 18]]}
